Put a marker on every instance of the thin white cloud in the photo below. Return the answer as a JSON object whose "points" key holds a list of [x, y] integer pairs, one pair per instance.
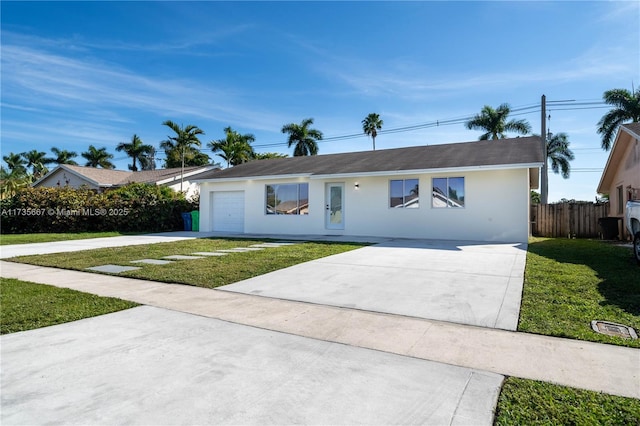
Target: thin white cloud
{"points": [[34, 78]]}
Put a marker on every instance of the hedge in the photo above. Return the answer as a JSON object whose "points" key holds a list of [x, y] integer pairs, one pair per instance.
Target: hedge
{"points": [[135, 208]]}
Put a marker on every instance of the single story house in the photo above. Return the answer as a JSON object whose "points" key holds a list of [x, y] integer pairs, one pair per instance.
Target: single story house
{"points": [[463, 191], [102, 179], [621, 176]]}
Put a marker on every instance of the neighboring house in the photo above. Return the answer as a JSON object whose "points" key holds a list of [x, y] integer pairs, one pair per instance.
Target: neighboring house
{"points": [[621, 176], [101, 179], [470, 191]]}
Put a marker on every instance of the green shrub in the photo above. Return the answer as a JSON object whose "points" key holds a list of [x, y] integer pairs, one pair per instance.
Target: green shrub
{"points": [[134, 207]]}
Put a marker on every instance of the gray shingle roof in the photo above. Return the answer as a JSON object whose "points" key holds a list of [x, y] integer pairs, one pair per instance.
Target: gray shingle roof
{"points": [[109, 177], [514, 151]]}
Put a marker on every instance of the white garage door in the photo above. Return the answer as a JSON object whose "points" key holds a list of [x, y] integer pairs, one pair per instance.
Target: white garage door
{"points": [[228, 211]]}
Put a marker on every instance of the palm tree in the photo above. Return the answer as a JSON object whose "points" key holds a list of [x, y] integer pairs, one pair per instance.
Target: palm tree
{"points": [[37, 160], [98, 157], [559, 154], [135, 149], [235, 148], [494, 123], [184, 140], [370, 125], [304, 138], [63, 156], [12, 181], [627, 108], [16, 163]]}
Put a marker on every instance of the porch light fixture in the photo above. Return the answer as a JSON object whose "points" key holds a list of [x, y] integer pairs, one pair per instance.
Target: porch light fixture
{"points": [[356, 186]]}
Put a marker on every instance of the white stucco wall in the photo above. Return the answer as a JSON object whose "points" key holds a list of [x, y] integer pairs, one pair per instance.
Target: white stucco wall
{"points": [[189, 188], [496, 208], [61, 178]]}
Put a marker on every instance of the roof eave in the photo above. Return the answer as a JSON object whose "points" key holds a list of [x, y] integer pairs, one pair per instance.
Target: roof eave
{"points": [[431, 171]]}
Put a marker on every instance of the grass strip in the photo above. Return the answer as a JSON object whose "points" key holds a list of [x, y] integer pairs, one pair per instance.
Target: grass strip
{"points": [[569, 283], [26, 306], [209, 272], [526, 402], [7, 239]]}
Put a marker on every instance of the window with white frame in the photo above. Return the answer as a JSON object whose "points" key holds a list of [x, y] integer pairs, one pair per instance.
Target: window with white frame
{"points": [[288, 198], [448, 192], [404, 193]]}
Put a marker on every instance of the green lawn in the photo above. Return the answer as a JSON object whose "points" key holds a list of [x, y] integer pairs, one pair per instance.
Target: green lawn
{"points": [[26, 305], [6, 239], [527, 402], [568, 283], [208, 272]]}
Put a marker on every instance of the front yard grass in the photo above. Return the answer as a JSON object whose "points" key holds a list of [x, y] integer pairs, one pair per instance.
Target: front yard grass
{"points": [[6, 239], [210, 272], [25, 305], [568, 283], [526, 402]]}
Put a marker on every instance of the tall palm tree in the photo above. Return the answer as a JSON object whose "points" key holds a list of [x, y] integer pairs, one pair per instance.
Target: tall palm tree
{"points": [[370, 125], [135, 149], [15, 163], [494, 123], [627, 108], [185, 138], [304, 138], [63, 156], [12, 181], [37, 160], [98, 157], [234, 148], [560, 156]]}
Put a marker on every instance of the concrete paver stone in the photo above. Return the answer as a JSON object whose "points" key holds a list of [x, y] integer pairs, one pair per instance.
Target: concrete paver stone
{"points": [[209, 253], [113, 269], [182, 257], [152, 261]]}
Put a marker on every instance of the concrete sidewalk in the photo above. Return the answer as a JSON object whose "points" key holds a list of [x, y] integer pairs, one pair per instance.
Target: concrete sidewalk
{"points": [[604, 368]]}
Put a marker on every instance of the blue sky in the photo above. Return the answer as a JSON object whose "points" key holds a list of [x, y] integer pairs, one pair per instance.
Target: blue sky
{"points": [[81, 73]]}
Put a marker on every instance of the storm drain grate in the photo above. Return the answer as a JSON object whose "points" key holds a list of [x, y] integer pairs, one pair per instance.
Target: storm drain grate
{"points": [[613, 329]]}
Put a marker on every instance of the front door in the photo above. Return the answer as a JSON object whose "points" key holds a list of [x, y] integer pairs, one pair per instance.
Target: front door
{"points": [[334, 206]]}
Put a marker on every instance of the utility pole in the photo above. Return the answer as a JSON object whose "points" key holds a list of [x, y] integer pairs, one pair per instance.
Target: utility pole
{"points": [[544, 184]]}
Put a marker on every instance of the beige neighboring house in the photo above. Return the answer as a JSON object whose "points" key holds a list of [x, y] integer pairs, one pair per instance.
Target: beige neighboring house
{"points": [[102, 179], [621, 176]]}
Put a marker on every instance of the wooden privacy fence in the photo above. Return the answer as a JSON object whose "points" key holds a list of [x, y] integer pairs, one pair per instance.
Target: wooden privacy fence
{"points": [[572, 219]]}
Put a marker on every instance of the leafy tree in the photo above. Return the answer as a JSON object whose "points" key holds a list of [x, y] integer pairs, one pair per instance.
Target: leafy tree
{"points": [[37, 160], [12, 181], [494, 123], [235, 148], [98, 157], [626, 108], [135, 149], [63, 156], [148, 160], [268, 155], [370, 125], [304, 138], [535, 197]]}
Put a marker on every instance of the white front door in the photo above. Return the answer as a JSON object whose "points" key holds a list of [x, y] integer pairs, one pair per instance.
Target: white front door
{"points": [[334, 206], [227, 210]]}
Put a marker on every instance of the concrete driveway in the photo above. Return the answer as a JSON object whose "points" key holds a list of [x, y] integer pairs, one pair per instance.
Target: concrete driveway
{"points": [[150, 365], [463, 282]]}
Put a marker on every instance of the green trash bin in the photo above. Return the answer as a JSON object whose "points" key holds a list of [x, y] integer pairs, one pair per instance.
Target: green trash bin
{"points": [[195, 220]]}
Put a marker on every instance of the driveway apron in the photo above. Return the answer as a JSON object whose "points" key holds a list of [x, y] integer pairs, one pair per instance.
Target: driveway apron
{"points": [[462, 282]]}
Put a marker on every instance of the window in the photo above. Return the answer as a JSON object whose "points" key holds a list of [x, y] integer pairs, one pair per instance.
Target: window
{"points": [[448, 192], [404, 193], [289, 198], [620, 199]]}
